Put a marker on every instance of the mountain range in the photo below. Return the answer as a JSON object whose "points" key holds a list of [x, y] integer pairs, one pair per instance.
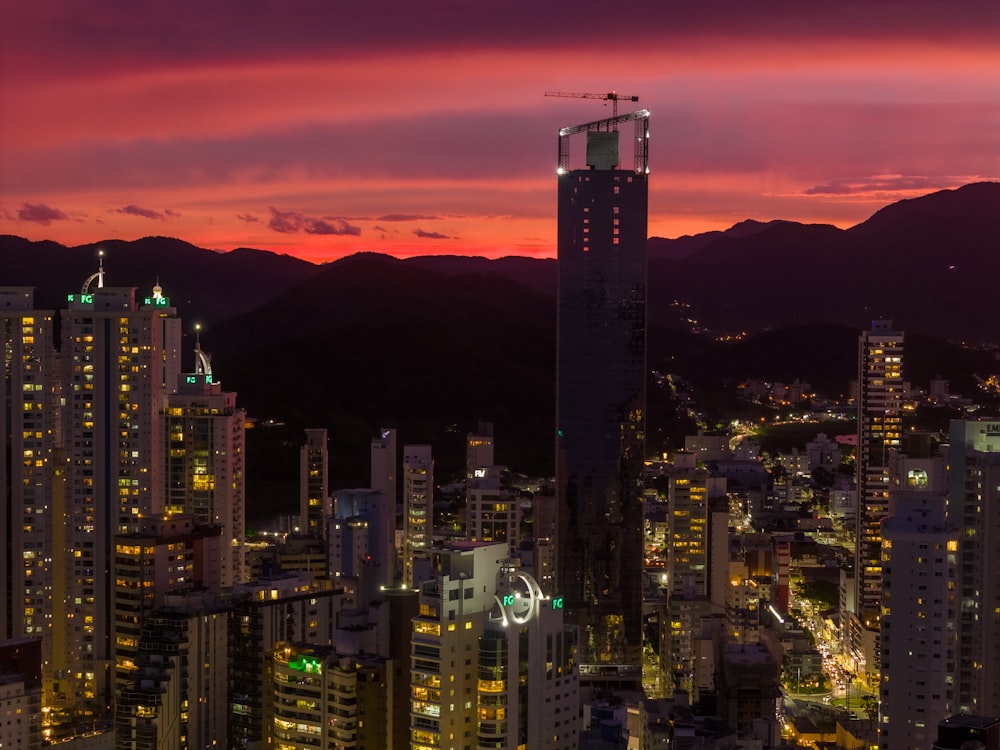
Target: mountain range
{"points": [[433, 344]]}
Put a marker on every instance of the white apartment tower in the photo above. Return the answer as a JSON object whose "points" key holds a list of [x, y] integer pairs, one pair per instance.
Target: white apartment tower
{"points": [[120, 358], [974, 507], [31, 521], [453, 610], [528, 686], [206, 457], [315, 502], [492, 664], [919, 620], [418, 504]]}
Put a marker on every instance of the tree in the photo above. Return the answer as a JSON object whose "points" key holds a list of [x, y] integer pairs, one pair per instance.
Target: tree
{"points": [[869, 704]]}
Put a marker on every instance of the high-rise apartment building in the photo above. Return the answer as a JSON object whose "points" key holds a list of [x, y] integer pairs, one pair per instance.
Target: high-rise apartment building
{"points": [[163, 556], [31, 573], [177, 695], [206, 458], [974, 507], [288, 609], [493, 512], [361, 533], [120, 358], [600, 393], [919, 638], [880, 418], [478, 449], [315, 502], [445, 638], [418, 505], [328, 701], [493, 665]]}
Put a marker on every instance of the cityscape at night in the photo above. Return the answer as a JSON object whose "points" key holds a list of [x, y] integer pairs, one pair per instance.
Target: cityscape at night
{"points": [[427, 379]]}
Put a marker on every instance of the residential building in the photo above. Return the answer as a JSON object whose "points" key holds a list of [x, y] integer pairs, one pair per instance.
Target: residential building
{"points": [[206, 462], [315, 502], [418, 505], [362, 530], [919, 622], [175, 697], [880, 418], [120, 358], [479, 449], [162, 556], [328, 701], [32, 527], [287, 609], [974, 507], [493, 514]]}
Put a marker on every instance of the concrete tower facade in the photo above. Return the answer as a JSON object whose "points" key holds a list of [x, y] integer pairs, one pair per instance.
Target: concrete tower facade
{"points": [[120, 358], [315, 502], [478, 449], [974, 506], [31, 512], [418, 504], [919, 618], [600, 395], [880, 418], [206, 458]]}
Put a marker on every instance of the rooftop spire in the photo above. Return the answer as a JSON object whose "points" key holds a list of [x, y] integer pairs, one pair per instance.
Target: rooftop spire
{"points": [[202, 361], [99, 276]]}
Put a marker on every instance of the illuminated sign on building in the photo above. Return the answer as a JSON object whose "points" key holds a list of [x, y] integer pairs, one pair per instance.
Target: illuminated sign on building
{"points": [[522, 606]]}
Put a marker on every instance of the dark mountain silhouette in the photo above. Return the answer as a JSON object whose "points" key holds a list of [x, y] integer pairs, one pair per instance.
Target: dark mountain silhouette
{"points": [[204, 285], [688, 245], [431, 345], [928, 264], [371, 341]]}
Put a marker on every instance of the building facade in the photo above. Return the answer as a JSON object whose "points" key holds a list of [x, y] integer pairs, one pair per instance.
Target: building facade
{"points": [[601, 396], [974, 506], [919, 633], [205, 438], [315, 501], [120, 358], [418, 505], [880, 427], [31, 508]]}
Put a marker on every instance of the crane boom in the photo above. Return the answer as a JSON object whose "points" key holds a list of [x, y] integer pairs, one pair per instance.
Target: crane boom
{"points": [[613, 97]]}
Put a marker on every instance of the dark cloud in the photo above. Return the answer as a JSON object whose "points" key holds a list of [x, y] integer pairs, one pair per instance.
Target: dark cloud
{"points": [[248, 218], [98, 34], [432, 235], [406, 217], [171, 214], [891, 183], [289, 222], [146, 213], [40, 213]]}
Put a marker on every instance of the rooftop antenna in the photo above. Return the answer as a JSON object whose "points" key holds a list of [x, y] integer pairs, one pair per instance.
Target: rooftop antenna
{"points": [[99, 275]]}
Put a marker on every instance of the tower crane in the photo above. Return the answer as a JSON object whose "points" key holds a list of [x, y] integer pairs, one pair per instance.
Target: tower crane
{"points": [[612, 97]]}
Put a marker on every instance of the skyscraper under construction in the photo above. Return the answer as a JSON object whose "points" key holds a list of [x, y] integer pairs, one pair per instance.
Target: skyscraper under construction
{"points": [[600, 407]]}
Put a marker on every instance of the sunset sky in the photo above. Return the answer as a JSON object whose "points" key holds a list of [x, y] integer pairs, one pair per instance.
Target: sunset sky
{"points": [[322, 127]]}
